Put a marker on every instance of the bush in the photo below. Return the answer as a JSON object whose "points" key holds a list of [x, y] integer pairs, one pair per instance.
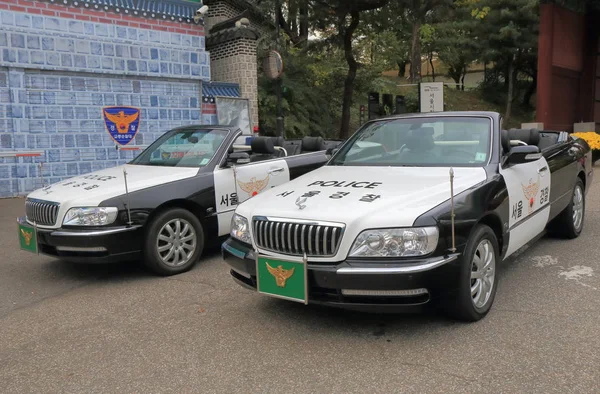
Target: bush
{"points": [[593, 140]]}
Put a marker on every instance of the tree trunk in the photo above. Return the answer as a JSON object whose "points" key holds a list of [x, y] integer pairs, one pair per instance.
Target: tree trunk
{"points": [[485, 71], [372, 52], [352, 69], [432, 68], [402, 68], [530, 91], [462, 80], [511, 87], [455, 75], [304, 21], [415, 53], [293, 17]]}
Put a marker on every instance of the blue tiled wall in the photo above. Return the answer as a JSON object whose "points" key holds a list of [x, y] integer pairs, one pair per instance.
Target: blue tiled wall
{"points": [[57, 74]]}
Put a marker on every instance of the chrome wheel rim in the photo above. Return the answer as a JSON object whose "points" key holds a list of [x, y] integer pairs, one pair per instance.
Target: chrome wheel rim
{"points": [[483, 272], [176, 242], [578, 208]]}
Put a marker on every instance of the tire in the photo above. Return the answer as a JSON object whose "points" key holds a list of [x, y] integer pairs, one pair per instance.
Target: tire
{"points": [[481, 247], [567, 224], [174, 242]]}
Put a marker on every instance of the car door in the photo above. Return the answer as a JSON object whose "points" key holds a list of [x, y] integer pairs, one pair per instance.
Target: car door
{"points": [[528, 187], [562, 162], [235, 184]]}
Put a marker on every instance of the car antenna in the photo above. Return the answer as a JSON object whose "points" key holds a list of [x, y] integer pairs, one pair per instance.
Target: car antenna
{"points": [[41, 168], [129, 222], [235, 182], [453, 249]]}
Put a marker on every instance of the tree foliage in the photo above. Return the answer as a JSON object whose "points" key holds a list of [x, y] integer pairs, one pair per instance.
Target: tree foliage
{"points": [[510, 30], [336, 51]]}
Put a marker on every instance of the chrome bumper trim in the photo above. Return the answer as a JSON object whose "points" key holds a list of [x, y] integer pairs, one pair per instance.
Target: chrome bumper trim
{"points": [[97, 249], [93, 233], [407, 269]]}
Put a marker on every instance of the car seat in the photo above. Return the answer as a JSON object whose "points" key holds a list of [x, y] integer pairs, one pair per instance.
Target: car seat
{"points": [[418, 144], [262, 149], [278, 141], [312, 144], [547, 139], [527, 136]]}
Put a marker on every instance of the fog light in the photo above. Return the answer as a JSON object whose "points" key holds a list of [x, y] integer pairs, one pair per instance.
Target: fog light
{"points": [[385, 293]]}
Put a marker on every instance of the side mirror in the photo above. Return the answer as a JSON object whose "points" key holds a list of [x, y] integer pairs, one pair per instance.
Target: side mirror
{"points": [[238, 158], [331, 151], [523, 154]]}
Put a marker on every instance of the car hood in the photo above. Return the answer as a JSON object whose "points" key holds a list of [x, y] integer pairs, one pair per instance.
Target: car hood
{"points": [[377, 197], [93, 188]]}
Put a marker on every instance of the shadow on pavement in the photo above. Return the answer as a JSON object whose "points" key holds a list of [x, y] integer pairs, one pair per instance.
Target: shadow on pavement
{"points": [[123, 271], [329, 319]]}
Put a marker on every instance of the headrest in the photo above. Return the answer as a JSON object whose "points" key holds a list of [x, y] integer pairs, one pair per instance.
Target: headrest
{"points": [[263, 145], [312, 144], [528, 136], [277, 141], [420, 142], [425, 131]]}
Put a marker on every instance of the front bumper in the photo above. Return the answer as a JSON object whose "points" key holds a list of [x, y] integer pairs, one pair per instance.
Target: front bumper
{"points": [[361, 285], [91, 245]]}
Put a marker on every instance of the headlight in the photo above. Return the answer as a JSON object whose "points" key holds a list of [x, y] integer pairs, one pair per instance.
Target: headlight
{"points": [[240, 229], [395, 242], [92, 216]]}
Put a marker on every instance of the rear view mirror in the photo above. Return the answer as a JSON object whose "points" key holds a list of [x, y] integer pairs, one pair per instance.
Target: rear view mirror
{"points": [[238, 158], [523, 154]]}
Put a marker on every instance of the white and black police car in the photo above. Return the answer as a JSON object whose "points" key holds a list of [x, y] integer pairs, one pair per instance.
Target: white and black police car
{"points": [[168, 203], [412, 209]]}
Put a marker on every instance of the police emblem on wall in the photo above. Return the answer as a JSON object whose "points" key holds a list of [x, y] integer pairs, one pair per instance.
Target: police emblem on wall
{"points": [[122, 123]]}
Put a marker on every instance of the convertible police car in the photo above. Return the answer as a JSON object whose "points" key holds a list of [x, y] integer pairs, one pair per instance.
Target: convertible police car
{"points": [[409, 210], [165, 205]]}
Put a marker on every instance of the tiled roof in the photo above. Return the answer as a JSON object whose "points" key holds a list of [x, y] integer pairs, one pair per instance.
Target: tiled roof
{"points": [[174, 10], [246, 5], [230, 34], [227, 31], [222, 89]]}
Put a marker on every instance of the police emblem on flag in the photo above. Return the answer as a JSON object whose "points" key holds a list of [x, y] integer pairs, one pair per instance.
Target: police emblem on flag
{"points": [[122, 123]]}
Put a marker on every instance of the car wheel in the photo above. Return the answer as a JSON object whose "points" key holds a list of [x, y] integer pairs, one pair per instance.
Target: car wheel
{"points": [[174, 242], [569, 222], [478, 278]]}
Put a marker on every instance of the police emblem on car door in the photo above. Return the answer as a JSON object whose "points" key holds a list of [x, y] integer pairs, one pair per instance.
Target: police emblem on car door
{"points": [[528, 187], [236, 184]]}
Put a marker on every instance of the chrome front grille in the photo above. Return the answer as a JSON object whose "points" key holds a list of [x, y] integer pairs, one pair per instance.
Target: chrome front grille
{"points": [[297, 238], [40, 212]]}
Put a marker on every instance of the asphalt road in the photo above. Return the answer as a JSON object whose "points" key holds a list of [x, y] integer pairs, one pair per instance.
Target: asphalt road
{"points": [[74, 328]]}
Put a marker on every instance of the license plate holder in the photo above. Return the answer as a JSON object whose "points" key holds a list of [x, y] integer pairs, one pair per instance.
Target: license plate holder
{"points": [[27, 236], [282, 278]]}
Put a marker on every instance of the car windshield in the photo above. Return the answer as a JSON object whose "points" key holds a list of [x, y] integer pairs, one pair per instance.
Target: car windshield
{"points": [[183, 148], [423, 141]]}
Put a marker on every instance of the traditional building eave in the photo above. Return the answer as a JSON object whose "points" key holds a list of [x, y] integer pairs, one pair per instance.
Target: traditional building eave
{"points": [[168, 10], [227, 31], [245, 5]]}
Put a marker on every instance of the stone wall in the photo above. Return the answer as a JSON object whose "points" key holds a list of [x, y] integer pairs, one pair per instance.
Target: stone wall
{"points": [[60, 65], [235, 61]]}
